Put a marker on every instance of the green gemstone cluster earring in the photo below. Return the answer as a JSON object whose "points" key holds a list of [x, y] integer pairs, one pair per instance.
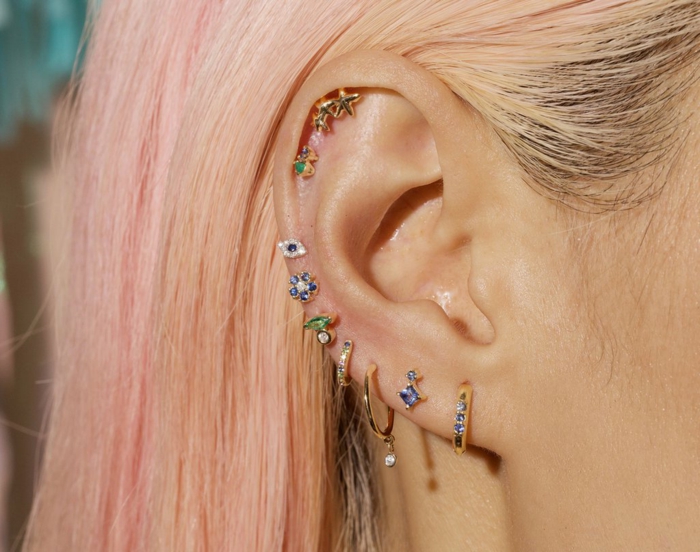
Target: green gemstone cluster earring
{"points": [[302, 164]]}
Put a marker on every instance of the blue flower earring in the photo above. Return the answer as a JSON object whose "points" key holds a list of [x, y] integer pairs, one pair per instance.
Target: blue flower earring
{"points": [[304, 287]]}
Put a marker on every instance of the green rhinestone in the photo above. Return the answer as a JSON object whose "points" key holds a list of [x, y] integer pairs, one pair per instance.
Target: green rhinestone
{"points": [[299, 167], [318, 323]]}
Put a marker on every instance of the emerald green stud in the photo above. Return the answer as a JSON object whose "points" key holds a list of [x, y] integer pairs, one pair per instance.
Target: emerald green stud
{"points": [[321, 325], [302, 164]]}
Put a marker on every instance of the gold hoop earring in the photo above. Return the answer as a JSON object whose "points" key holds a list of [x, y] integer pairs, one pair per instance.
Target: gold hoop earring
{"points": [[464, 401], [385, 434]]}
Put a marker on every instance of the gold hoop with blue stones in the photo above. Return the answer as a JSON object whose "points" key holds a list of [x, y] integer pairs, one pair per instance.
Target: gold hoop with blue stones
{"points": [[384, 434], [302, 164], [321, 324], [335, 108], [343, 364], [411, 394], [292, 248], [304, 287], [459, 436]]}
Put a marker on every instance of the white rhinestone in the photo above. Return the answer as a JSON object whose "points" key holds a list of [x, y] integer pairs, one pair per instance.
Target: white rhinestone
{"points": [[323, 337], [390, 460], [302, 286]]}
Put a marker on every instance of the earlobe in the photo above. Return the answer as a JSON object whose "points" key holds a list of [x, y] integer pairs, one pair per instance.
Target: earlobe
{"points": [[388, 219]]}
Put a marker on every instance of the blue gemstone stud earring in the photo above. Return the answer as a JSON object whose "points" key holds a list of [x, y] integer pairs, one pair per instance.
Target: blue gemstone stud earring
{"points": [[292, 248], [411, 394], [304, 288]]}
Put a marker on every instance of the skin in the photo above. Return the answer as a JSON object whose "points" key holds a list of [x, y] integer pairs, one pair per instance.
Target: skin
{"points": [[578, 331]]}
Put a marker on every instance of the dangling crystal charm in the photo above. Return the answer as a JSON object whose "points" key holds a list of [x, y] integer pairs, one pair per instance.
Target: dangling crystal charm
{"points": [[390, 459]]}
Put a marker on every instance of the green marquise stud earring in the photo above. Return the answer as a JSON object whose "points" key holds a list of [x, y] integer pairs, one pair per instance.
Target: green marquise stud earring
{"points": [[321, 325]]}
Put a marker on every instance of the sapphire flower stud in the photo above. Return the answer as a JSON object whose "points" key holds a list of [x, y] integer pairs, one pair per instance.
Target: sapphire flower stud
{"points": [[304, 287]]}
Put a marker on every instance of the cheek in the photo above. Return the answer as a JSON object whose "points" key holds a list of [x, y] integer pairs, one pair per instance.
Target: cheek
{"points": [[552, 351]]}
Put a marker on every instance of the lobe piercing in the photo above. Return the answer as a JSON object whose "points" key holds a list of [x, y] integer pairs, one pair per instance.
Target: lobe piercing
{"points": [[304, 287], [411, 394], [336, 107], [321, 325], [464, 399], [342, 374], [302, 164], [385, 434], [292, 248]]}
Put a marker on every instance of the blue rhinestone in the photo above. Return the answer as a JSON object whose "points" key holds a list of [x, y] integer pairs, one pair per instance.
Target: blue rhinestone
{"points": [[304, 296], [412, 375], [305, 276], [409, 395], [313, 286], [292, 247], [293, 292], [459, 429], [459, 417], [347, 344], [294, 280], [305, 151]]}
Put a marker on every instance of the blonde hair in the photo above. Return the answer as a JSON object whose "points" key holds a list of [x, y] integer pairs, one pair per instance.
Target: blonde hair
{"points": [[189, 409]]}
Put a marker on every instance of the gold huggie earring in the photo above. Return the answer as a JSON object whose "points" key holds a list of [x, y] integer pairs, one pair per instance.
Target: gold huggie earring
{"points": [[464, 399], [385, 435]]}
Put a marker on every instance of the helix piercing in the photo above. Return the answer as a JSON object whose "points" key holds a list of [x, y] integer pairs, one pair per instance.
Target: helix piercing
{"points": [[292, 248], [335, 108], [304, 287], [411, 394], [321, 325], [302, 164], [459, 437], [385, 434]]}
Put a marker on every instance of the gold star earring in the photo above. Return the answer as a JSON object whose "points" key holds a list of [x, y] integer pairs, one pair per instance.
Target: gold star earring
{"points": [[335, 108]]}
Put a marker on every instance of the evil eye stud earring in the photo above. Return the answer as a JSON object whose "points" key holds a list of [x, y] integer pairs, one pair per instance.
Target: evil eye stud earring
{"points": [[304, 287], [292, 248]]}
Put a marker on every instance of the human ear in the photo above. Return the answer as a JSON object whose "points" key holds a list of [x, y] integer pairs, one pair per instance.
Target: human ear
{"points": [[411, 220]]}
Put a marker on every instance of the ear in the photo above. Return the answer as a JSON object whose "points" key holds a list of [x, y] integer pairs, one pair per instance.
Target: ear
{"points": [[411, 220]]}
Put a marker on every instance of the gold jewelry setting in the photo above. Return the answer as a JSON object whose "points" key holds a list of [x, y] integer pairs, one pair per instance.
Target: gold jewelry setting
{"points": [[411, 394], [338, 106], [302, 164], [321, 324], [384, 434], [342, 370], [464, 400]]}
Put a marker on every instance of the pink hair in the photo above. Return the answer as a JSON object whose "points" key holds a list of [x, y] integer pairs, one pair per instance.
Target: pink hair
{"points": [[189, 409]]}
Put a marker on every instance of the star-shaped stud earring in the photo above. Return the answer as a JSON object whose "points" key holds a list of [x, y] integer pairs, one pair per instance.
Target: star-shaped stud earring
{"points": [[344, 103]]}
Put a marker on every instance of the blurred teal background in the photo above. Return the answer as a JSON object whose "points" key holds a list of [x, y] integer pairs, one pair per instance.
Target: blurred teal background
{"points": [[39, 45]]}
